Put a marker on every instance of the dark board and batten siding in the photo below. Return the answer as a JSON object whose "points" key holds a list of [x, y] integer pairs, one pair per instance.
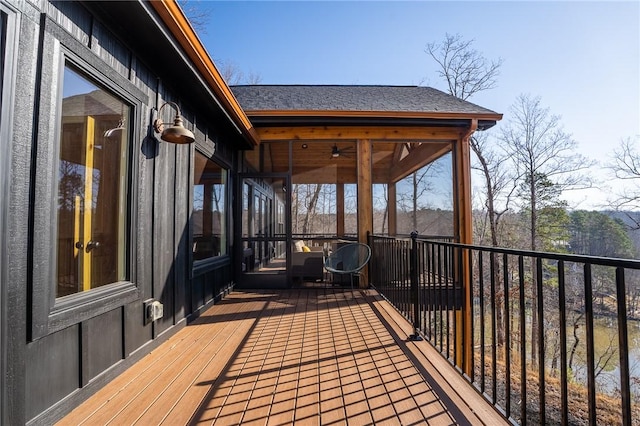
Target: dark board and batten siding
{"points": [[16, 206], [55, 359]]}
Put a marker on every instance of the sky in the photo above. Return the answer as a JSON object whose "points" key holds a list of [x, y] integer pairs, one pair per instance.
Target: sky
{"points": [[581, 58]]}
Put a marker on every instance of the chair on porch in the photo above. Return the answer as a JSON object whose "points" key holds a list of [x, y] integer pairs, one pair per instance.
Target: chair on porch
{"points": [[349, 259]]}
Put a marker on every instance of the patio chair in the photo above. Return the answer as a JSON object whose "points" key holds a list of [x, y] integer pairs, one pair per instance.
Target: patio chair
{"points": [[349, 259]]}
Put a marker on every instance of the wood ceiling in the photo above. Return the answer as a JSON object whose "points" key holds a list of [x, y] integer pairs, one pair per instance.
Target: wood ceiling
{"points": [[396, 152]]}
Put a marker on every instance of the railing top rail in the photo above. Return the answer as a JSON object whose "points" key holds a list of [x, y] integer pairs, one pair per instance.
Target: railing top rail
{"points": [[323, 235], [389, 237], [577, 258]]}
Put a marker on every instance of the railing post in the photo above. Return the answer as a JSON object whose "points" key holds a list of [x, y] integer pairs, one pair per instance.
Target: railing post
{"points": [[623, 341], [415, 291], [464, 315]]}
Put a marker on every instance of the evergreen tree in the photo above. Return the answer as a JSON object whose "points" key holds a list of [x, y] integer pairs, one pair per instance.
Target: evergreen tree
{"points": [[597, 234]]}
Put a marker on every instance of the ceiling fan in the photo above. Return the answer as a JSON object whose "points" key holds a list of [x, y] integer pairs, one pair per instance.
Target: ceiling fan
{"points": [[337, 152]]}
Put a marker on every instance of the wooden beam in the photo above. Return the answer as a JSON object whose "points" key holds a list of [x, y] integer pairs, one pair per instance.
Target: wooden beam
{"points": [[324, 175], [464, 231], [463, 192], [397, 152], [340, 209], [313, 162], [365, 198], [420, 156], [392, 208], [356, 132], [340, 175]]}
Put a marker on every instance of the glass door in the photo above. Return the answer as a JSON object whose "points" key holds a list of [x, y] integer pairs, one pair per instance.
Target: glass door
{"points": [[264, 236], [92, 187]]}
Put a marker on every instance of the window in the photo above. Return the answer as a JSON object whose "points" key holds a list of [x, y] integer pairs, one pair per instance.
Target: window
{"points": [[246, 194], [92, 208], [85, 181], [209, 209]]}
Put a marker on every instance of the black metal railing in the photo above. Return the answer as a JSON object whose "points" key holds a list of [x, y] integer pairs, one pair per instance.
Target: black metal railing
{"points": [[544, 337]]}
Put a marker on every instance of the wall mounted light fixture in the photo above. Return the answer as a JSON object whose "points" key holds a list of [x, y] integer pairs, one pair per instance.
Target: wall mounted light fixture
{"points": [[176, 133]]}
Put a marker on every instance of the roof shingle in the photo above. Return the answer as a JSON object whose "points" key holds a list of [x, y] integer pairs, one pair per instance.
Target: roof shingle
{"points": [[351, 98]]}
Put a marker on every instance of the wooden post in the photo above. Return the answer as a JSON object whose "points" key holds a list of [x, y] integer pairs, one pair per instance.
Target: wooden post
{"points": [[392, 208], [340, 209], [464, 232], [365, 197]]}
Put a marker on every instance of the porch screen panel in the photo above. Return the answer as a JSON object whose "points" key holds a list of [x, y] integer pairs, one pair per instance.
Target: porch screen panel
{"points": [[425, 199], [92, 186], [380, 209], [351, 209]]}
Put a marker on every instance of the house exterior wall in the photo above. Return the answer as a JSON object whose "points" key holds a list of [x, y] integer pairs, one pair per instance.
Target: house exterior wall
{"points": [[56, 352]]}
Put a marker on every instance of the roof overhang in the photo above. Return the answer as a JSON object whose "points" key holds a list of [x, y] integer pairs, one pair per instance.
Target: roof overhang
{"points": [[178, 58], [264, 118], [181, 29]]}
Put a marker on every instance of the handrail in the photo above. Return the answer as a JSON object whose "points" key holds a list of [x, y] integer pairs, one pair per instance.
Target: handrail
{"points": [[531, 317], [567, 257]]}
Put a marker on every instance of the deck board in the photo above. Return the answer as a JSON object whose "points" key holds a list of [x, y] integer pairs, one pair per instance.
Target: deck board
{"points": [[306, 356]]}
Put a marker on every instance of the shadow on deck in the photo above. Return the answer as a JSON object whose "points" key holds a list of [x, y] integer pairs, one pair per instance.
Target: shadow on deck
{"points": [[308, 356]]}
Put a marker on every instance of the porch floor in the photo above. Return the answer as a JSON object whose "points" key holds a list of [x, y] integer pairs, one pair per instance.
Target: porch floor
{"points": [[306, 356]]}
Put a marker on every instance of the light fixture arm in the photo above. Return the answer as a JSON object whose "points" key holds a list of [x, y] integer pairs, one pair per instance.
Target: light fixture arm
{"points": [[158, 124], [175, 134]]}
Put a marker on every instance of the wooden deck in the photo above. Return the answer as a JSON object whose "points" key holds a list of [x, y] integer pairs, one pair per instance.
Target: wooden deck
{"points": [[307, 356]]}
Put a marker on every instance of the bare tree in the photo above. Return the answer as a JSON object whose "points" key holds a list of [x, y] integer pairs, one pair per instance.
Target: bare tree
{"points": [[499, 181], [467, 72], [253, 78], [233, 75], [420, 186], [546, 162], [311, 209], [626, 166], [385, 213], [198, 16], [544, 155], [70, 186]]}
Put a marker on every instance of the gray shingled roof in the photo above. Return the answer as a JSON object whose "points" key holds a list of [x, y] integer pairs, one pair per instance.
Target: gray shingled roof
{"points": [[351, 98]]}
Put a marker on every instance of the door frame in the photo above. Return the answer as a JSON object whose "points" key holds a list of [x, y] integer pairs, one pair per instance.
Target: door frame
{"points": [[12, 350], [246, 279]]}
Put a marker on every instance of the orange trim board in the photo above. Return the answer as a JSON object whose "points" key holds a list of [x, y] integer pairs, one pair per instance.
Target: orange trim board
{"points": [[380, 114], [178, 24]]}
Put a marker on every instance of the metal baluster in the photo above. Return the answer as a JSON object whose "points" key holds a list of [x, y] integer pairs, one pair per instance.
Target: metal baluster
{"points": [[591, 374], [507, 335], [494, 346], [447, 287], [440, 316], [541, 378], [564, 400], [623, 339], [482, 342], [414, 288], [471, 313], [523, 344]]}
